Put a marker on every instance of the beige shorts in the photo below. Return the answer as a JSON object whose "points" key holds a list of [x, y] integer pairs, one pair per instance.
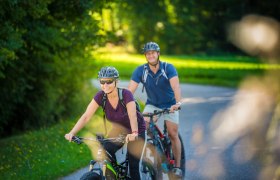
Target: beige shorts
{"points": [[172, 117]]}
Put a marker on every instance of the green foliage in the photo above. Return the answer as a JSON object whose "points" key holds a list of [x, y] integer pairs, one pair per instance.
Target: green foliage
{"points": [[141, 18], [185, 27], [45, 60]]}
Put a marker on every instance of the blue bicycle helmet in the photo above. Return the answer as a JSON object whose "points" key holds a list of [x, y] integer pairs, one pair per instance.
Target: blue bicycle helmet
{"points": [[151, 46], [108, 72]]}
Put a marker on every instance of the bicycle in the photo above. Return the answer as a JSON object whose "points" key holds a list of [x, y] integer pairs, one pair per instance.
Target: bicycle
{"points": [[106, 167], [160, 147]]}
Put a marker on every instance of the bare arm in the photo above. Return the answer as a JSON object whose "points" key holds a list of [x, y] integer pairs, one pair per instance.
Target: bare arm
{"points": [[175, 84], [92, 107], [132, 86], [131, 109]]}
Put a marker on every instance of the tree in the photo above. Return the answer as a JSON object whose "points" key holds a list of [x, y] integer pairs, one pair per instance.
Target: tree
{"points": [[44, 49]]}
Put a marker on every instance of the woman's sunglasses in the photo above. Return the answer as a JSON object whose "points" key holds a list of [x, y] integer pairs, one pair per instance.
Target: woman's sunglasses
{"points": [[110, 81]]}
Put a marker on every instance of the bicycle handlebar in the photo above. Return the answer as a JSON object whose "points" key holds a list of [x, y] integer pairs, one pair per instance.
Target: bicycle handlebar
{"points": [[156, 112], [80, 140]]}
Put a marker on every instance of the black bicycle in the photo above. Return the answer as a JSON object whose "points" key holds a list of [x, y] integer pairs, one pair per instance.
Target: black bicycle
{"points": [[160, 148], [104, 167]]}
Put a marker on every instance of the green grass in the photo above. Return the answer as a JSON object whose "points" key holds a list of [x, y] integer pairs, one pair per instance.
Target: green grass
{"points": [[221, 71], [44, 154]]}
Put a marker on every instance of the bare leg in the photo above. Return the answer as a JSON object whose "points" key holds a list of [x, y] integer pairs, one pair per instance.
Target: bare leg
{"points": [[172, 130]]}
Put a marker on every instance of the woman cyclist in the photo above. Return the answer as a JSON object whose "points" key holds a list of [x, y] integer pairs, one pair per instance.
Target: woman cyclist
{"points": [[125, 119]]}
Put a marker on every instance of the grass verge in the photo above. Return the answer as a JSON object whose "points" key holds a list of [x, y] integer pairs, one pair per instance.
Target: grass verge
{"points": [[44, 154], [220, 71]]}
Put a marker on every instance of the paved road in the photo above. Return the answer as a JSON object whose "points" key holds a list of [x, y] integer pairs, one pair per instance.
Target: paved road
{"points": [[204, 160]]}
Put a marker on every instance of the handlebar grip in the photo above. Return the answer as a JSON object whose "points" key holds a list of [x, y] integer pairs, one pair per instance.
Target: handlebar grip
{"points": [[77, 140]]}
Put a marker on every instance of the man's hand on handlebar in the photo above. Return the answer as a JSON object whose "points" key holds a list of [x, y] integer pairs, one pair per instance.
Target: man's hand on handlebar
{"points": [[175, 107]]}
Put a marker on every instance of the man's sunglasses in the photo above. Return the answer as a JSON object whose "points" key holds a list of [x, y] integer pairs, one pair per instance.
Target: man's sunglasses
{"points": [[107, 81]]}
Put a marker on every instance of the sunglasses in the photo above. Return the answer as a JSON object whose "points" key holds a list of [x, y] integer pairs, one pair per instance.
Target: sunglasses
{"points": [[110, 81]]}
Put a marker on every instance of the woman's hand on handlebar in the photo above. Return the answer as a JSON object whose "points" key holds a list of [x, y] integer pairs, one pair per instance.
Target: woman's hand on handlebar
{"points": [[131, 137], [69, 136]]}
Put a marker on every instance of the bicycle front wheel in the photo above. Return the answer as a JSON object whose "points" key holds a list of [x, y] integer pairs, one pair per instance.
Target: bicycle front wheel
{"points": [[155, 156], [91, 175], [147, 171]]}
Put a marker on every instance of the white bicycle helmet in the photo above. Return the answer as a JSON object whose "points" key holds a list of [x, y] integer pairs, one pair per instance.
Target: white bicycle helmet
{"points": [[151, 46], [108, 72]]}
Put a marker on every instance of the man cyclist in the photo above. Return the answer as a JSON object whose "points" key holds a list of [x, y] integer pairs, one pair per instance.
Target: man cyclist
{"points": [[161, 82]]}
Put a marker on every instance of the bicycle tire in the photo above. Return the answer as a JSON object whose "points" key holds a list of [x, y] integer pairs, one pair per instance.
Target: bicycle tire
{"points": [[91, 176], [183, 157], [147, 171], [109, 175], [158, 156]]}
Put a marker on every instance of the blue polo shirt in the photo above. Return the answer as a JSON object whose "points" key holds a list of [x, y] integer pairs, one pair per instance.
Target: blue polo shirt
{"points": [[157, 86]]}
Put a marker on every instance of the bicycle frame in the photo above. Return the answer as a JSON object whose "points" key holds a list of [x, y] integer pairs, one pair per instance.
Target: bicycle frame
{"points": [[162, 143], [119, 170], [161, 140]]}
